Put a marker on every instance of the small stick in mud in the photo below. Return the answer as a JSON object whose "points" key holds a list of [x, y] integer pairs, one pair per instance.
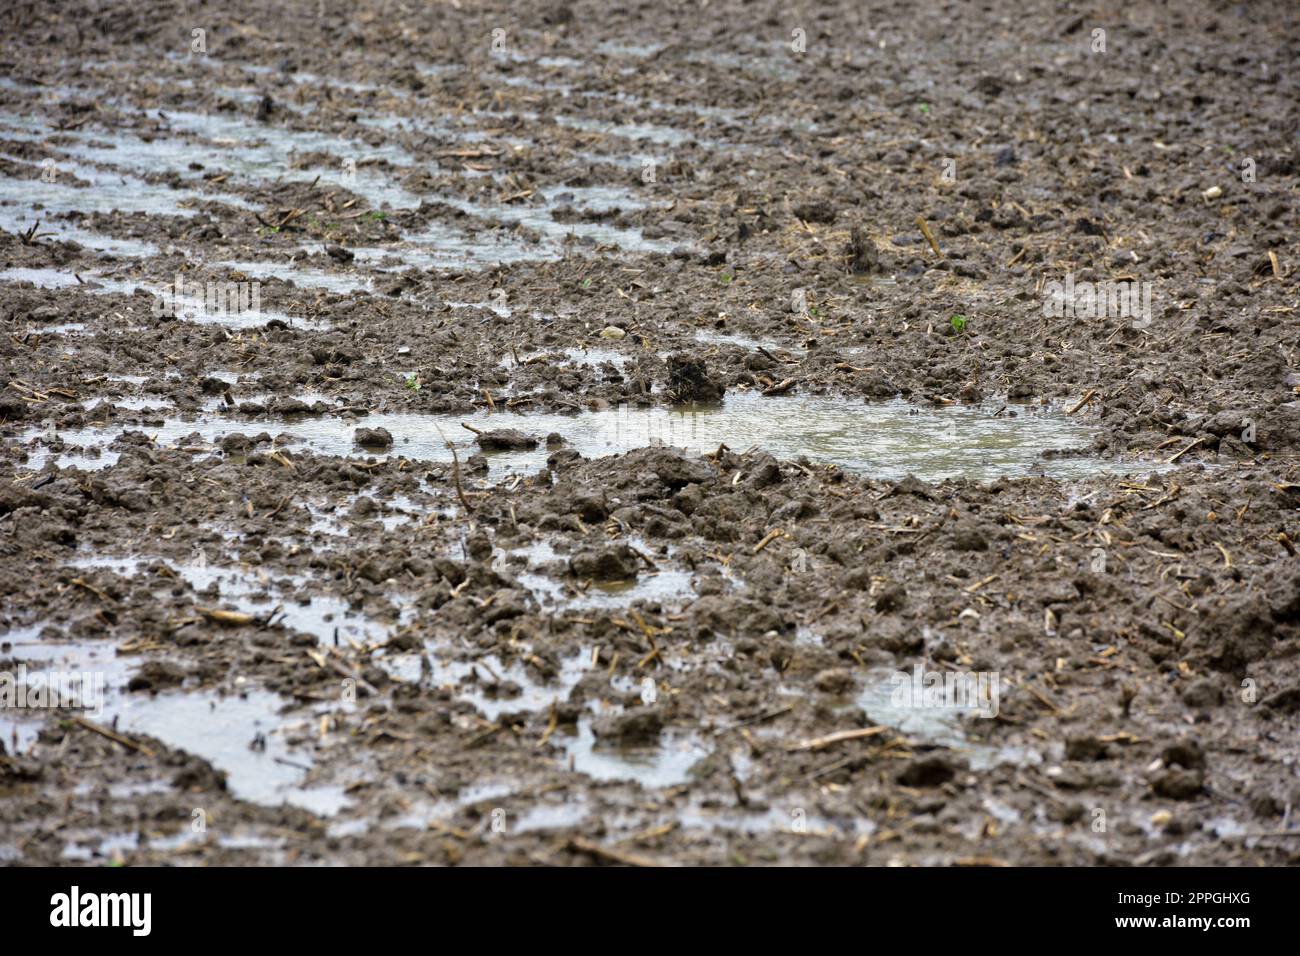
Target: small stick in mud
{"points": [[929, 236], [455, 473], [1088, 396], [99, 593], [1184, 451], [31, 235], [819, 743], [344, 671], [550, 726], [780, 388], [637, 551], [455, 465], [579, 845], [226, 618], [108, 734]]}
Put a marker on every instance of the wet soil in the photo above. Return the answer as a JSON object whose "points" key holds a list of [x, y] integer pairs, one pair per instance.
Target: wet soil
{"points": [[630, 397]]}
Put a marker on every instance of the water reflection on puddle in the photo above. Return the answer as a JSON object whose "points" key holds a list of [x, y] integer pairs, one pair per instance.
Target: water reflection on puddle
{"points": [[191, 308], [256, 152], [244, 734], [665, 765], [883, 440], [889, 700], [663, 584], [324, 615]]}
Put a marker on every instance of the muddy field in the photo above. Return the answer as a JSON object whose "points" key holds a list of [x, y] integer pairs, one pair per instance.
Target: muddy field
{"points": [[539, 433]]}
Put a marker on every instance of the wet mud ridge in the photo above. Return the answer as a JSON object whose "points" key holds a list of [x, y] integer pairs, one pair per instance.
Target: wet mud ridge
{"points": [[641, 435]]}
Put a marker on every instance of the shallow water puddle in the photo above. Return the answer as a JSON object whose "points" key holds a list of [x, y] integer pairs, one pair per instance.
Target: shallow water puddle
{"points": [[539, 219], [741, 341], [19, 727], [666, 765], [130, 403], [191, 308], [894, 698], [493, 688], [326, 616], [438, 245], [773, 819], [108, 191], [256, 152], [245, 149], [661, 135], [299, 275], [241, 734], [18, 217], [458, 129], [579, 356], [887, 440], [663, 584]]}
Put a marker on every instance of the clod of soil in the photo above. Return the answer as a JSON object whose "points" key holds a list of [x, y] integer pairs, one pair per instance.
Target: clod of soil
{"points": [[506, 439], [614, 563], [641, 725], [689, 381], [373, 437]]}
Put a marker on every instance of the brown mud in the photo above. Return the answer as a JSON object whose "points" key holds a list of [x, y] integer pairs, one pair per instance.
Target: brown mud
{"points": [[325, 638]]}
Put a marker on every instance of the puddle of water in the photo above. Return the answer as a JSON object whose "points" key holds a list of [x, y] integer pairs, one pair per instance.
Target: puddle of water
{"points": [[770, 60], [247, 150], [775, 819], [300, 276], [935, 725], [663, 585], [666, 765], [303, 78], [130, 403], [255, 152], [550, 816], [592, 357], [261, 152], [220, 730], [19, 216], [217, 728], [743, 341], [457, 129], [42, 278], [188, 307], [661, 135], [886, 440], [539, 220], [19, 727], [483, 681], [440, 246], [617, 48], [502, 310], [323, 615], [115, 187]]}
